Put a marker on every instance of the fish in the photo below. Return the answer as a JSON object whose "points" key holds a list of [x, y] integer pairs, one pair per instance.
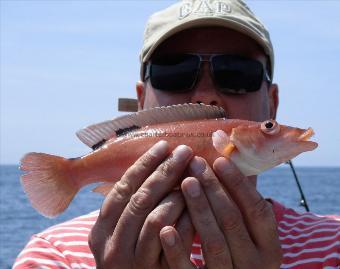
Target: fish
{"points": [[51, 182]]}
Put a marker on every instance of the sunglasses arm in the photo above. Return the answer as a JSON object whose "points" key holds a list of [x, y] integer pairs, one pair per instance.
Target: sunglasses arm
{"points": [[147, 67], [267, 77]]}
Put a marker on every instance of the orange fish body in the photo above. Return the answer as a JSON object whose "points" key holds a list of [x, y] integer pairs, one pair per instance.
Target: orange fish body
{"points": [[109, 162], [51, 182]]}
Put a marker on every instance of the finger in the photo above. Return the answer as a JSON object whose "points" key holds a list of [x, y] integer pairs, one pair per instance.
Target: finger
{"points": [[148, 248], [227, 214], [215, 249], [122, 191], [133, 179], [152, 191], [186, 231], [258, 213], [174, 249]]}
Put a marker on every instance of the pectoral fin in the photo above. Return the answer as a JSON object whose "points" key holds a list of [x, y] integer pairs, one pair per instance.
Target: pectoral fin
{"points": [[222, 143], [228, 150]]}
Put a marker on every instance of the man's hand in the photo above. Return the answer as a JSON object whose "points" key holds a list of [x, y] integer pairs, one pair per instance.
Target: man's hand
{"points": [[236, 225], [126, 234]]}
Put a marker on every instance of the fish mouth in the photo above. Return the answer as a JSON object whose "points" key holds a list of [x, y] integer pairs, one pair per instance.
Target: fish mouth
{"points": [[305, 136], [303, 139]]}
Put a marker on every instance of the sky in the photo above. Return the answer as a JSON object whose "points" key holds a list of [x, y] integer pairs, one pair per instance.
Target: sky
{"points": [[64, 64]]}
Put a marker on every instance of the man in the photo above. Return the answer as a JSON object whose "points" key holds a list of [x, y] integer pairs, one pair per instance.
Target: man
{"points": [[144, 222]]}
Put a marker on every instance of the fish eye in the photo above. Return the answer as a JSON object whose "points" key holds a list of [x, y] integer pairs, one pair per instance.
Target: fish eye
{"points": [[270, 127]]}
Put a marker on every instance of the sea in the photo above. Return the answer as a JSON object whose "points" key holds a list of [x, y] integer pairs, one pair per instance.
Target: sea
{"points": [[18, 220]]}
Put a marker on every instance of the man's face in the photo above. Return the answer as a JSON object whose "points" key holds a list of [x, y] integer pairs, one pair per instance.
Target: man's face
{"points": [[257, 106]]}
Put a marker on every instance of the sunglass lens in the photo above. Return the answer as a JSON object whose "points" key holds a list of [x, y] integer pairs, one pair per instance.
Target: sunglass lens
{"points": [[176, 73], [237, 74]]}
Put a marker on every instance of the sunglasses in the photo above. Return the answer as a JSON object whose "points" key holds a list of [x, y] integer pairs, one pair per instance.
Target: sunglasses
{"points": [[178, 73]]}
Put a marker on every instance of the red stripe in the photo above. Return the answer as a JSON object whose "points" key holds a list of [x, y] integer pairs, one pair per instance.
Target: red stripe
{"points": [[282, 215]]}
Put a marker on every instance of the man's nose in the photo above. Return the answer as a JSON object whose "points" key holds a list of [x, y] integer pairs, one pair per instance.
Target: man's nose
{"points": [[205, 91]]}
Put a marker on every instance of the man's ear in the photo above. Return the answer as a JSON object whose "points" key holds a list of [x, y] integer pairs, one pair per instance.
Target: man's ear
{"points": [[273, 94], [140, 90]]}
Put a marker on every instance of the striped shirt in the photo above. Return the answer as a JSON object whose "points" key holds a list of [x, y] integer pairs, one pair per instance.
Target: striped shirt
{"points": [[307, 240]]}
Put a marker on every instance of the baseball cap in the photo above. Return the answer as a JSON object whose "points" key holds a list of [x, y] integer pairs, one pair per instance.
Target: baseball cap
{"points": [[186, 14]]}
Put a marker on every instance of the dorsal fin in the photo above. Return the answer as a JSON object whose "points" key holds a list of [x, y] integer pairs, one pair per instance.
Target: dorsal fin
{"points": [[97, 134]]}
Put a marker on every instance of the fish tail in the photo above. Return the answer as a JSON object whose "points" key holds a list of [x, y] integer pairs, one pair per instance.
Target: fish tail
{"points": [[104, 188], [47, 182]]}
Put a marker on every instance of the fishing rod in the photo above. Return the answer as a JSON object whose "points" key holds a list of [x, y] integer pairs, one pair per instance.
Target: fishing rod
{"points": [[303, 201]]}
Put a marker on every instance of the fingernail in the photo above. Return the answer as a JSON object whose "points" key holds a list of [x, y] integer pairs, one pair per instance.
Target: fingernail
{"points": [[168, 236], [222, 165], [160, 148], [182, 153], [197, 166], [193, 188]]}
